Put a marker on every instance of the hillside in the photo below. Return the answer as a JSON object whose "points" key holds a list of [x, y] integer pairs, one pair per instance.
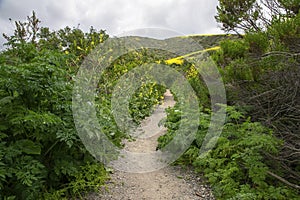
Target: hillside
{"points": [[205, 40], [177, 48]]}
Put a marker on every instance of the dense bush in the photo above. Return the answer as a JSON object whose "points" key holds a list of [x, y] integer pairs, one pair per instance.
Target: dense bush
{"points": [[258, 43], [36, 126], [257, 154], [265, 83], [236, 167], [41, 155], [230, 50], [285, 33]]}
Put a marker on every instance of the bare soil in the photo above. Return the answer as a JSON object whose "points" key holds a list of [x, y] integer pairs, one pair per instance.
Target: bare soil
{"points": [[171, 182]]}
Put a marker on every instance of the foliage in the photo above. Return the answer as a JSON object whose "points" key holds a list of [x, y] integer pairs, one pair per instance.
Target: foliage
{"points": [[141, 104], [36, 119], [291, 7], [238, 14], [256, 157], [89, 178], [286, 32], [41, 155], [36, 126], [276, 106], [258, 43], [253, 15], [230, 50], [235, 167], [25, 32], [265, 83]]}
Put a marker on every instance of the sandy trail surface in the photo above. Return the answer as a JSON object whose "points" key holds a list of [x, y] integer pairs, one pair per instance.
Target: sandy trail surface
{"points": [[171, 182]]}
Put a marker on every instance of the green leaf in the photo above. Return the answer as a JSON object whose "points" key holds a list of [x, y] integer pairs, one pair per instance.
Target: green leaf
{"points": [[29, 147], [6, 100]]}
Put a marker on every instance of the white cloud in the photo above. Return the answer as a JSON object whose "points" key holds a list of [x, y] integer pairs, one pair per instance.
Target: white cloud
{"points": [[115, 16]]}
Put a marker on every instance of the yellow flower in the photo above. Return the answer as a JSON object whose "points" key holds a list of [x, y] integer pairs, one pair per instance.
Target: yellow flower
{"points": [[213, 48], [192, 73], [101, 38], [178, 61]]}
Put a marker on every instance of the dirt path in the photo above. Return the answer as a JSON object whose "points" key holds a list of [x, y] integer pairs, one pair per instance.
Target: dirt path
{"points": [[171, 182]]}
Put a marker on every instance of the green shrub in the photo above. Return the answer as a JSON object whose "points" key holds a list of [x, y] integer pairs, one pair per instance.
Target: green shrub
{"points": [[90, 177], [230, 50], [238, 70], [40, 151], [258, 43], [141, 104], [236, 167], [285, 32], [36, 126]]}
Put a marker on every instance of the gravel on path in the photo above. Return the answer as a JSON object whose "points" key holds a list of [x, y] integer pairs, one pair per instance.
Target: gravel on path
{"points": [[171, 182]]}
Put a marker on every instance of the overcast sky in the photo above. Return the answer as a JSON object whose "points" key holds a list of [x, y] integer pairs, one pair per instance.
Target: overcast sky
{"points": [[114, 16]]}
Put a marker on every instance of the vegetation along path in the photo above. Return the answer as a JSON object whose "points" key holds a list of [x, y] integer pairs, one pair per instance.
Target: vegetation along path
{"points": [[172, 182]]}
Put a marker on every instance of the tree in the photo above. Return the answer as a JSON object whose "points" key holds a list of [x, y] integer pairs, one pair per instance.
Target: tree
{"points": [[253, 15], [291, 7]]}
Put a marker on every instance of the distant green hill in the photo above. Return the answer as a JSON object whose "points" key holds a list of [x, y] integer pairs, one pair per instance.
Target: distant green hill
{"points": [[175, 49], [205, 40], [193, 44]]}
